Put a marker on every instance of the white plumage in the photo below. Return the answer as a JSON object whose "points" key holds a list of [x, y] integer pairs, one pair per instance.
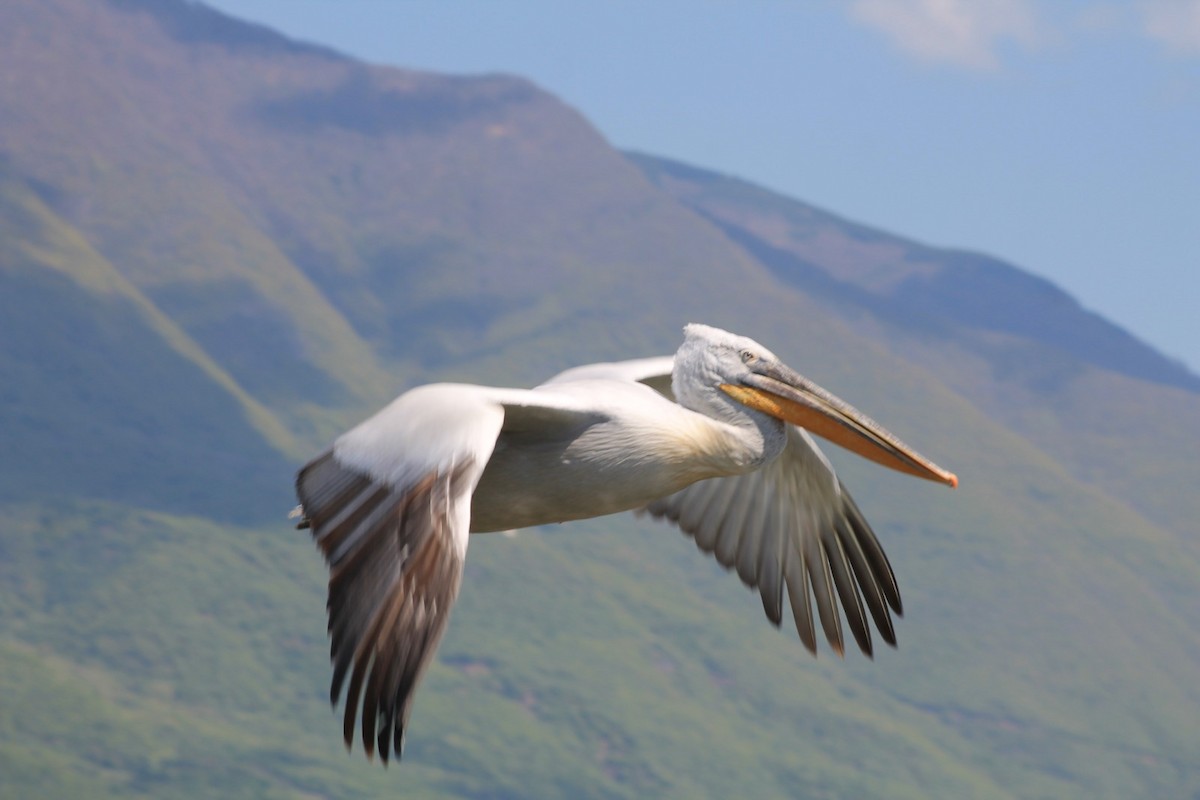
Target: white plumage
{"points": [[712, 439]]}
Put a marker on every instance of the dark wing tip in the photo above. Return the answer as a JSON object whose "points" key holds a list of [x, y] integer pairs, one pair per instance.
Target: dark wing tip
{"points": [[773, 608], [395, 571]]}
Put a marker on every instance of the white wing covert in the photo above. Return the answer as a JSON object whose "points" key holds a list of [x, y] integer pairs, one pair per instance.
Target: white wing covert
{"points": [[655, 372]]}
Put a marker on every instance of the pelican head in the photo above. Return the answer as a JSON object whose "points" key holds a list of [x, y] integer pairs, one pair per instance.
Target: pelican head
{"points": [[743, 370]]}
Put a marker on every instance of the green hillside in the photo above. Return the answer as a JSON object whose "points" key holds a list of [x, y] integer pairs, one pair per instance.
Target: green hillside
{"points": [[254, 242], [104, 396]]}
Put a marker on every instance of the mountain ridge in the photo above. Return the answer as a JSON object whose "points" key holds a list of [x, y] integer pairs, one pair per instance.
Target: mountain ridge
{"points": [[935, 282]]}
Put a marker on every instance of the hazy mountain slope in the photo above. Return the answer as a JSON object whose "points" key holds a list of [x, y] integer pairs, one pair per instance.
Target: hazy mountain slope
{"points": [[1071, 382], [1131, 439], [139, 182], [103, 396], [850, 264], [322, 204], [256, 233]]}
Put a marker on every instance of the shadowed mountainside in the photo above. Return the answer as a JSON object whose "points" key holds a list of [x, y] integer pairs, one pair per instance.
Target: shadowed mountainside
{"points": [[253, 242], [849, 264]]}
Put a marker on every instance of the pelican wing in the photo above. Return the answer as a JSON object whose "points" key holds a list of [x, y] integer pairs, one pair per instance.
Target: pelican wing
{"points": [[793, 525], [389, 507], [395, 571]]}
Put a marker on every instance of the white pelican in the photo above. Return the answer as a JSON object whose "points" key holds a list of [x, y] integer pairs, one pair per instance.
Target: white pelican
{"points": [[715, 439]]}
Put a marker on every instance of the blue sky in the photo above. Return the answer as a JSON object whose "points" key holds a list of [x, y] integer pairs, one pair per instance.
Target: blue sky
{"points": [[1062, 136]]}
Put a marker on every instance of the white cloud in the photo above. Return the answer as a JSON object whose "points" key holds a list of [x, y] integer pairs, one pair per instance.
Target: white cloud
{"points": [[1175, 23], [962, 32]]}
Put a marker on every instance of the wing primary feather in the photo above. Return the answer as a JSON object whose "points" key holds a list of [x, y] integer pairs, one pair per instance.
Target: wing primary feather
{"points": [[395, 570], [767, 555], [354, 592], [817, 561], [753, 532], [384, 663], [880, 567], [694, 512], [847, 588], [740, 505], [770, 563], [370, 654], [361, 663], [725, 493], [760, 528], [359, 578], [725, 548], [348, 616], [734, 525], [867, 581], [795, 574], [426, 615], [722, 493]]}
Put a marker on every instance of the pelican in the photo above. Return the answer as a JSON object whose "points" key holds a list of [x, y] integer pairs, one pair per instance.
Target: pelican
{"points": [[715, 439]]}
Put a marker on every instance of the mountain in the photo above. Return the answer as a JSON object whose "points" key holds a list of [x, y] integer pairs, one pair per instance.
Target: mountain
{"points": [[220, 247], [846, 264], [1071, 382]]}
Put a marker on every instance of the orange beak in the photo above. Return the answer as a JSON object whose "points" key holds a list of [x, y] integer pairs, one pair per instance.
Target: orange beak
{"points": [[786, 395]]}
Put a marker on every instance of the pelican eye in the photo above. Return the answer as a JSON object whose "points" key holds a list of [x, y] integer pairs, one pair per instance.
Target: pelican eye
{"points": [[748, 357]]}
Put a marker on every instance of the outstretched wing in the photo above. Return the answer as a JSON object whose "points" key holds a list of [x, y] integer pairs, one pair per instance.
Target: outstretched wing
{"points": [[792, 524], [389, 507]]}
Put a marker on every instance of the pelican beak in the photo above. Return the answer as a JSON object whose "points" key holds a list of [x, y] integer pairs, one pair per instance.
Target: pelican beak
{"points": [[787, 395]]}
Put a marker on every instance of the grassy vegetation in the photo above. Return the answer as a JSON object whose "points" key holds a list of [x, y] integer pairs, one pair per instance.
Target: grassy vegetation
{"points": [[189, 659]]}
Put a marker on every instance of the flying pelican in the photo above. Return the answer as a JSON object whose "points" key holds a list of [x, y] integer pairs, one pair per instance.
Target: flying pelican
{"points": [[715, 439]]}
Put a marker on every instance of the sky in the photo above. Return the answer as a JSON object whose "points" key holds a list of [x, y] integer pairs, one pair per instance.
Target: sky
{"points": [[1062, 136]]}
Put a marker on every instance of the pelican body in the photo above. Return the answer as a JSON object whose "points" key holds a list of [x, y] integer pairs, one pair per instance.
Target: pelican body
{"points": [[714, 439]]}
